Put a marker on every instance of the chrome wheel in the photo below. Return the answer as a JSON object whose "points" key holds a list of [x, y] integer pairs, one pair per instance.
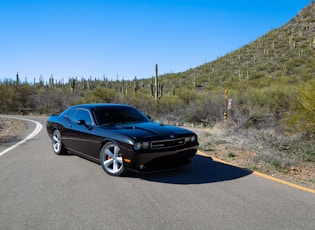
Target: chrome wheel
{"points": [[57, 143], [111, 159]]}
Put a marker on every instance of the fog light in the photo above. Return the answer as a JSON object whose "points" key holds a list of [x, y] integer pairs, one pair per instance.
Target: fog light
{"points": [[142, 166]]}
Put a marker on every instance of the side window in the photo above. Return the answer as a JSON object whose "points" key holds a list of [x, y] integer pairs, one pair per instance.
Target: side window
{"points": [[71, 115], [83, 115], [80, 114]]}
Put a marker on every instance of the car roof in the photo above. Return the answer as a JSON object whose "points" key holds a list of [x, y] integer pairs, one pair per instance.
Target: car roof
{"points": [[100, 105], [96, 106]]}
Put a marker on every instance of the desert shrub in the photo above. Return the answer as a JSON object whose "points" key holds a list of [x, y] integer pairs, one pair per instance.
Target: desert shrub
{"points": [[24, 98], [169, 104], [141, 100], [17, 98], [206, 109], [263, 101], [186, 95], [247, 101], [306, 74], [54, 101], [101, 95], [275, 97], [169, 109], [302, 108], [6, 98], [303, 149]]}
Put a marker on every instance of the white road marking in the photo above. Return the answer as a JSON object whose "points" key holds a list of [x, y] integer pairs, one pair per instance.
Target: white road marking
{"points": [[33, 134]]}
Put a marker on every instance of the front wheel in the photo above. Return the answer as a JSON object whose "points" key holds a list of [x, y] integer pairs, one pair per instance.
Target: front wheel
{"points": [[57, 143], [111, 159]]}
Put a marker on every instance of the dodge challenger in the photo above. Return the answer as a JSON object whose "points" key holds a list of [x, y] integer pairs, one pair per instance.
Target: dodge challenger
{"points": [[120, 138]]}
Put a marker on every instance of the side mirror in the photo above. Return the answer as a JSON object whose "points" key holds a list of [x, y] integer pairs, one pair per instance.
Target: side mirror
{"points": [[82, 122]]}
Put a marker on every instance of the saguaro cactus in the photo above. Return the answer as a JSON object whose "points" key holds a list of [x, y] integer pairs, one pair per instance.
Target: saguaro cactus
{"points": [[51, 81], [91, 85], [135, 85], [84, 84], [72, 84], [17, 79], [156, 88]]}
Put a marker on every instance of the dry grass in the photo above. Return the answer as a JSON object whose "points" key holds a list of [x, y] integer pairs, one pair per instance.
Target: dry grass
{"points": [[10, 128], [267, 151]]}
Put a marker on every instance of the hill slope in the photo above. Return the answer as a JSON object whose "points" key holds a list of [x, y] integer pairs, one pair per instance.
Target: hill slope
{"points": [[287, 51]]}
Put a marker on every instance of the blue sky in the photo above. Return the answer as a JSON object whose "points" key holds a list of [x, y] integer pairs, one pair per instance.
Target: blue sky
{"points": [[83, 38]]}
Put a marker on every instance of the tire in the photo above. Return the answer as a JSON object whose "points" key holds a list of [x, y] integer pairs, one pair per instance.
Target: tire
{"points": [[111, 159], [57, 145]]}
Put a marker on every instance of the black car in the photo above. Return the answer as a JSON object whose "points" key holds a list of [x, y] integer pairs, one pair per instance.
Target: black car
{"points": [[120, 138]]}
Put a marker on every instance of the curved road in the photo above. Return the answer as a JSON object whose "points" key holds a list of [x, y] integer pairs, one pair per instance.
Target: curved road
{"points": [[40, 190]]}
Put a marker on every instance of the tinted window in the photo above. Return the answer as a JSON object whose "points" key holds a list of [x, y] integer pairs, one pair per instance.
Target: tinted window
{"points": [[80, 114], [114, 115]]}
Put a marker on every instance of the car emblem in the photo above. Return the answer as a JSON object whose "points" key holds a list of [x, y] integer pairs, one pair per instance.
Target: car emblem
{"points": [[172, 136]]}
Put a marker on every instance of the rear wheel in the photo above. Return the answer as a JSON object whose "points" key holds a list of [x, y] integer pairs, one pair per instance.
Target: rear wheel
{"points": [[57, 143], [111, 159]]}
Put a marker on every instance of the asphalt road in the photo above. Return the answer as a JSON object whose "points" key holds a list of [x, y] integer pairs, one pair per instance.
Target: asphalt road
{"points": [[40, 190]]}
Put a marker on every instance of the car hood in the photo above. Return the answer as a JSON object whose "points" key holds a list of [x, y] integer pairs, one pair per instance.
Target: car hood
{"points": [[150, 130]]}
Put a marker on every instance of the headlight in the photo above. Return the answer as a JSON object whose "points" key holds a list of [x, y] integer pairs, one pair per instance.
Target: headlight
{"points": [[137, 146], [191, 139], [145, 145]]}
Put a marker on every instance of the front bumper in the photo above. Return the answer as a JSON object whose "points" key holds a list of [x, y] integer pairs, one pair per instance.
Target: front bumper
{"points": [[159, 161]]}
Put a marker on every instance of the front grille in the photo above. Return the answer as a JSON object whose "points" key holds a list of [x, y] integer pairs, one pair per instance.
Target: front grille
{"points": [[167, 143]]}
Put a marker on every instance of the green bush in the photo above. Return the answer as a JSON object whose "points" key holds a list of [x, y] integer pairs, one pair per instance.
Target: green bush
{"points": [[302, 109], [6, 98]]}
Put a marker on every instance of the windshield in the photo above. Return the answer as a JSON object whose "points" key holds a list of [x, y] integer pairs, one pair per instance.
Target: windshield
{"points": [[118, 115]]}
